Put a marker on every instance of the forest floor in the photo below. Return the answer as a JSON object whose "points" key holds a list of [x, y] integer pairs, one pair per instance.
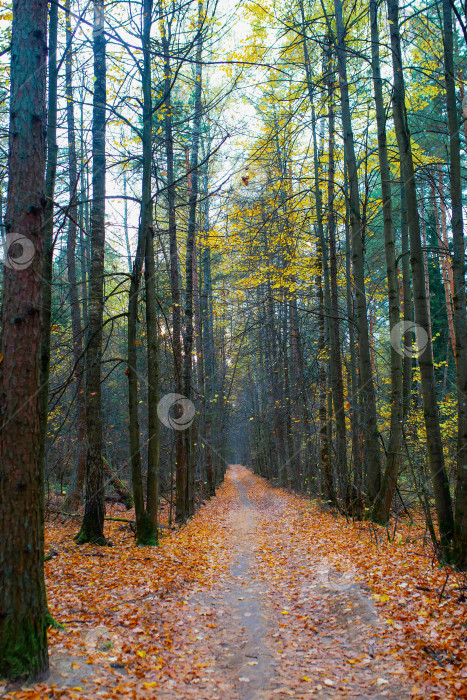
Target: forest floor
{"points": [[263, 594]]}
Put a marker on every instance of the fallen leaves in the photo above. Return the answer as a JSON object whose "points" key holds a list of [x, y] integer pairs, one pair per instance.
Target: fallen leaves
{"points": [[400, 576], [342, 612]]}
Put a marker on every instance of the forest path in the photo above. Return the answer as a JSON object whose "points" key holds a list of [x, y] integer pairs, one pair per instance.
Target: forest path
{"points": [[256, 597], [286, 624]]}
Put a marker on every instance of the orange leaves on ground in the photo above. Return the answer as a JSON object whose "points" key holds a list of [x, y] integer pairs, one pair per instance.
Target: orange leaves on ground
{"points": [[422, 606], [123, 606]]}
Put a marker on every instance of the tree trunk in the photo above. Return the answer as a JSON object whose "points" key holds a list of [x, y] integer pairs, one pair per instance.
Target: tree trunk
{"points": [[208, 342], [92, 528], [444, 263], [84, 230], [326, 467], [74, 496], [366, 385], [382, 506], [459, 296], [125, 223], [334, 325], [152, 489], [355, 421], [121, 488], [146, 516], [425, 266], [190, 264], [181, 457], [23, 608], [430, 402], [47, 270], [407, 302]]}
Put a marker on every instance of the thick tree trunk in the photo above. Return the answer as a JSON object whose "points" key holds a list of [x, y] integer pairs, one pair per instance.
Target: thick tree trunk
{"points": [[92, 528], [366, 384], [23, 608], [459, 296], [382, 506], [430, 402]]}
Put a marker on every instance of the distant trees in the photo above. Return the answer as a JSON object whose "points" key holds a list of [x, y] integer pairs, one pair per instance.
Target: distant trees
{"points": [[283, 265], [375, 222]]}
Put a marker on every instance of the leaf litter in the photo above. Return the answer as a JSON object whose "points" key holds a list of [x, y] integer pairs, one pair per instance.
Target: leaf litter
{"points": [[263, 594]]}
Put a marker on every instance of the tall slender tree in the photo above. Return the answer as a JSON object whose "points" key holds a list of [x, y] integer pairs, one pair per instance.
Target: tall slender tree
{"points": [[146, 515], [191, 261], [430, 402], [382, 506], [181, 456], [76, 489], [459, 296], [366, 386], [92, 528], [47, 270]]}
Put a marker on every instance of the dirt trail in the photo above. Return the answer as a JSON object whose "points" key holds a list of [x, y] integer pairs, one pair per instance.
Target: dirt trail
{"points": [[279, 633], [236, 605]]}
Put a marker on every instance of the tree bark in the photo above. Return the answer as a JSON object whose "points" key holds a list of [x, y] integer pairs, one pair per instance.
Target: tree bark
{"points": [[208, 342], [334, 325], [444, 263], [326, 467], [382, 506], [146, 516], [407, 302], [366, 384], [181, 456], [92, 528], [459, 296], [23, 608], [74, 497], [430, 403], [425, 266], [47, 268], [191, 263], [355, 420], [152, 485]]}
